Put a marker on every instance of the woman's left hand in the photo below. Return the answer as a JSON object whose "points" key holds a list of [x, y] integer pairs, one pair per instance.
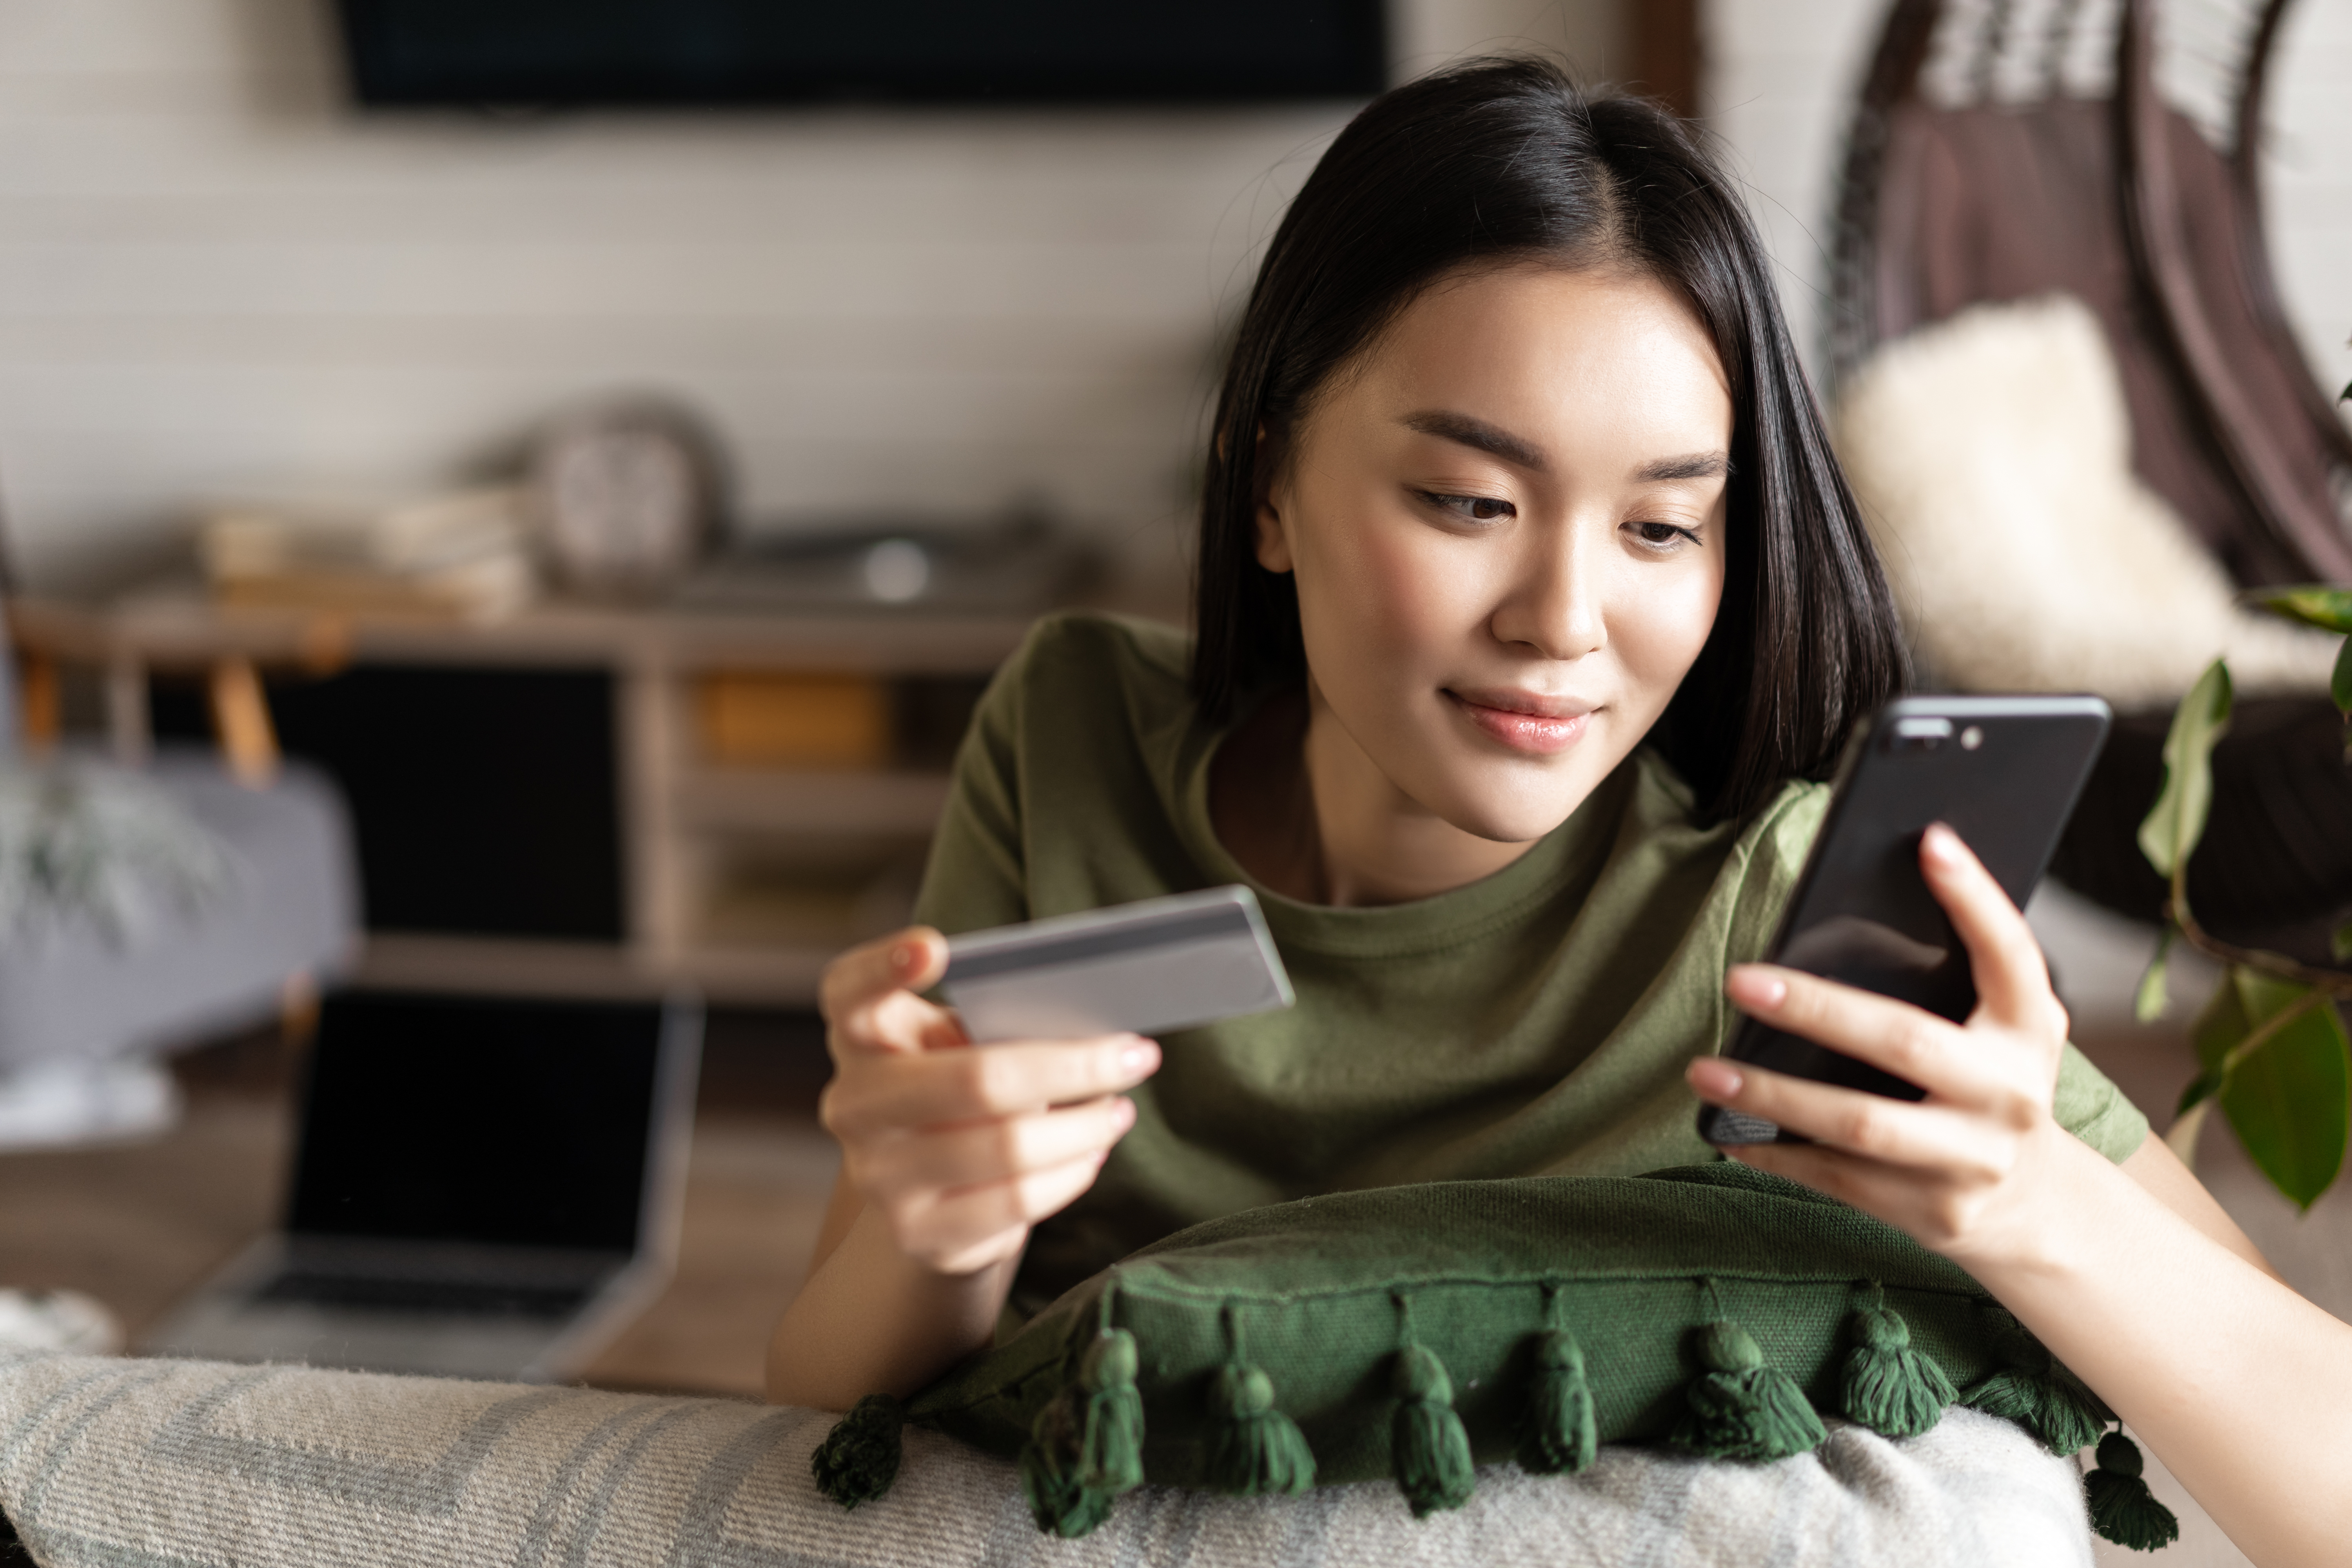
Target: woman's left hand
{"points": [[2139, 1283], [1961, 1170]]}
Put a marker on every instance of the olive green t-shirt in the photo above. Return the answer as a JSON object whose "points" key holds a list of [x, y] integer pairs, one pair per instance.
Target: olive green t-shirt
{"points": [[1533, 1023]]}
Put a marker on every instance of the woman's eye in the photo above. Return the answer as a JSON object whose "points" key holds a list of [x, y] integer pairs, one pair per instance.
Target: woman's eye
{"points": [[1472, 508], [1660, 535]]}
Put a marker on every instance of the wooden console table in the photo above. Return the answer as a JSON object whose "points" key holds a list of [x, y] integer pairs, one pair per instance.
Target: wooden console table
{"points": [[682, 818]]}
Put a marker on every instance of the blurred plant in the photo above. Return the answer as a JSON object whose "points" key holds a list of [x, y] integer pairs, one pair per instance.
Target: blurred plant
{"points": [[84, 846], [2271, 1043]]}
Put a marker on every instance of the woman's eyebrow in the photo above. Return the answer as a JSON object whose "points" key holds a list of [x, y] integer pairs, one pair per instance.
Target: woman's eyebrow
{"points": [[1689, 466], [1492, 439]]}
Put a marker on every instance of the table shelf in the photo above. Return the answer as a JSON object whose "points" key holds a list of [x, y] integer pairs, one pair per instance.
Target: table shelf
{"points": [[688, 827], [849, 801]]}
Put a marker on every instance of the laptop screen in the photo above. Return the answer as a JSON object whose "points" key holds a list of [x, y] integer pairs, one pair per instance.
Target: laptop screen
{"points": [[472, 1119]]}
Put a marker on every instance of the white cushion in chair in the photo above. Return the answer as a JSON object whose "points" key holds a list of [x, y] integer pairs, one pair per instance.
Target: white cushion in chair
{"points": [[1991, 454]]}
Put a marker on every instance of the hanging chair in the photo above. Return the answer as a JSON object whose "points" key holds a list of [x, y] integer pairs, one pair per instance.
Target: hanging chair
{"points": [[1999, 154]]}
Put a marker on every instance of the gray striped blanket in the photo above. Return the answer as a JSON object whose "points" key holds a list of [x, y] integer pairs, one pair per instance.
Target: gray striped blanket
{"points": [[112, 1463]]}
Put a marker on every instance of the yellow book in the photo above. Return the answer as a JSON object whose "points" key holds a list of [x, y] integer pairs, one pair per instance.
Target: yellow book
{"points": [[795, 720]]}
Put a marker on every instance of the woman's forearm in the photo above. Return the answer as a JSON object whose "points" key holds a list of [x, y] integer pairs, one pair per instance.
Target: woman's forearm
{"points": [[2243, 1387], [871, 1320]]}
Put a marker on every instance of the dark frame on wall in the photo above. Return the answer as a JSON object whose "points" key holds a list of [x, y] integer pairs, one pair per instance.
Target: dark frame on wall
{"points": [[566, 54]]}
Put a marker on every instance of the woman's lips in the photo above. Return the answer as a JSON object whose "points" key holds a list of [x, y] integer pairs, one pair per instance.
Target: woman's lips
{"points": [[1523, 722]]}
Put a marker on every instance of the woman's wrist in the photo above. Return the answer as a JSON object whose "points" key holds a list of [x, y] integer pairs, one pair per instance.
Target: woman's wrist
{"points": [[2042, 1229], [873, 1320], [957, 1310]]}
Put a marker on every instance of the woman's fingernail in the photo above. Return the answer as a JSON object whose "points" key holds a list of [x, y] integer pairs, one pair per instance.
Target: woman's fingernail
{"points": [[1714, 1078], [1752, 985], [1139, 1057], [1941, 844], [1122, 1114], [902, 956]]}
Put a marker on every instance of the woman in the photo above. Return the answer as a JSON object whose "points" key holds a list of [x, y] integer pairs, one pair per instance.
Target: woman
{"points": [[1529, 601]]}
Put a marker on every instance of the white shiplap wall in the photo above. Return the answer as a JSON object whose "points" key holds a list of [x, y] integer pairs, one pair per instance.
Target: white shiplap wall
{"points": [[1777, 80], [1782, 74], [217, 280], [2311, 181]]}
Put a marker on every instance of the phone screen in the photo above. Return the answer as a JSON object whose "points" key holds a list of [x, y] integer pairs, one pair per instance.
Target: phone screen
{"points": [[2004, 773]]}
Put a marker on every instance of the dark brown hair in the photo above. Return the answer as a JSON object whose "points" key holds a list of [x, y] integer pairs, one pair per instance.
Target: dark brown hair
{"points": [[1506, 161]]}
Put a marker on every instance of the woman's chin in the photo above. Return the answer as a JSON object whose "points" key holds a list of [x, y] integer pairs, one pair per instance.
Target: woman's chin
{"points": [[1515, 809]]}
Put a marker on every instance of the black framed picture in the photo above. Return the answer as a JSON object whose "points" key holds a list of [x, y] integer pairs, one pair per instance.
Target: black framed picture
{"points": [[590, 53]]}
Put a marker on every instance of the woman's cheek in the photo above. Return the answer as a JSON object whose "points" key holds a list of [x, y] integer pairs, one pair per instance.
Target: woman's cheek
{"points": [[1421, 588], [1379, 600], [1665, 636]]}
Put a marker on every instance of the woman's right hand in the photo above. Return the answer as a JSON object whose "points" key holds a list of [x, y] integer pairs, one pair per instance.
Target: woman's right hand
{"points": [[959, 1149]]}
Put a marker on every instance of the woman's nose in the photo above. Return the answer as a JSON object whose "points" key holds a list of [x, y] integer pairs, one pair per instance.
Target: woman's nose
{"points": [[1553, 607]]}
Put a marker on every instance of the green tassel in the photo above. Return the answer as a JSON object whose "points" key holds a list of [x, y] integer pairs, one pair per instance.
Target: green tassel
{"points": [[1110, 1442], [2035, 1401], [1889, 1387], [859, 1457], [1430, 1451], [2122, 1508], [1556, 1432], [1061, 1503], [1255, 1450], [1741, 1409], [2039, 1394]]}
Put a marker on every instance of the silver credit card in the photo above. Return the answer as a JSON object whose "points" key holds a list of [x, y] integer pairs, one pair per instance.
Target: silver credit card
{"points": [[1162, 963]]}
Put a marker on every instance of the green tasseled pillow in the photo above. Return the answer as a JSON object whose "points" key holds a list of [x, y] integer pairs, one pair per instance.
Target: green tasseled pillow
{"points": [[1418, 1332]]}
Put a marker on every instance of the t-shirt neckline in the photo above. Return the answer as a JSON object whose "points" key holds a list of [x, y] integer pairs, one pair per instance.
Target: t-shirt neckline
{"points": [[1459, 915]]}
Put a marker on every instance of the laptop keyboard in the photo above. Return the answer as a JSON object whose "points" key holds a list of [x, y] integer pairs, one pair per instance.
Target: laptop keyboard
{"points": [[375, 1293]]}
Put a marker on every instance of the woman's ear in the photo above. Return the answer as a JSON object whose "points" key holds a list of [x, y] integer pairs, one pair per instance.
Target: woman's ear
{"points": [[1272, 532]]}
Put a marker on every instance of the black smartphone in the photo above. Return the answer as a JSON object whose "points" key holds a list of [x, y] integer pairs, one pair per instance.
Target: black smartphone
{"points": [[2004, 773]]}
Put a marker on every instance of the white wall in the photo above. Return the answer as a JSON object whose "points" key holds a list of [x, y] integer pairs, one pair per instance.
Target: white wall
{"points": [[1777, 77], [2310, 186], [217, 280], [1782, 74]]}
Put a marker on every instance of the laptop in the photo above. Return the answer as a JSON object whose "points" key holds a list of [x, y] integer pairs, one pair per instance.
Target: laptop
{"points": [[483, 1186]]}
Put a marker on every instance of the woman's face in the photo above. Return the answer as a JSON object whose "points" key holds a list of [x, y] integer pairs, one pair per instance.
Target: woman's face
{"points": [[1505, 523]]}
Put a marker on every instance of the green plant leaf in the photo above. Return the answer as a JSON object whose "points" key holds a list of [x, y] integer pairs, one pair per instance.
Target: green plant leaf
{"points": [[2313, 604], [2340, 943], [2340, 686], [2200, 1088], [2287, 1100], [2148, 1002], [2169, 835]]}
